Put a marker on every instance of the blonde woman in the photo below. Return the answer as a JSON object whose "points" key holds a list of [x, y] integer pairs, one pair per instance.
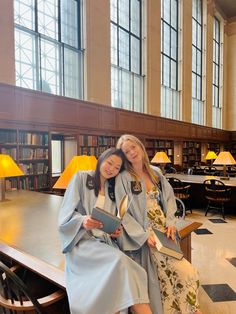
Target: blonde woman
{"points": [[173, 284]]}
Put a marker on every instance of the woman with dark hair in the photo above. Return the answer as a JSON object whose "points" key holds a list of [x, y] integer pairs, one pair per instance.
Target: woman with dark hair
{"points": [[99, 277]]}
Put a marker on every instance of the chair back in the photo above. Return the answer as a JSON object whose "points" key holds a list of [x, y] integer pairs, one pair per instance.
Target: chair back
{"points": [[180, 212], [17, 297], [216, 190], [209, 170], [14, 293]]}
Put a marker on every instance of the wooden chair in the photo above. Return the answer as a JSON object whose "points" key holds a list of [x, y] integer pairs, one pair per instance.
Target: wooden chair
{"points": [[180, 212], [17, 297], [181, 191], [210, 170], [217, 194]]}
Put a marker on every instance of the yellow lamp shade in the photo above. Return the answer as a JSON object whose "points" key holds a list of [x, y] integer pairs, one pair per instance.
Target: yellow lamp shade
{"points": [[8, 167], [210, 155], [77, 163], [224, 158], [160, 158]]}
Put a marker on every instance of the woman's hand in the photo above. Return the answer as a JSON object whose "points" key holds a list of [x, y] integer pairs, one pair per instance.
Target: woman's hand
{"points": [[90, 223], [151, 241], [117, 233], [171, 232]]}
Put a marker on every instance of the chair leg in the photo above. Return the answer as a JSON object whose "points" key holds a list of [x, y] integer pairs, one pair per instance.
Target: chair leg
{"points": [[207, 208], [223, 210]]}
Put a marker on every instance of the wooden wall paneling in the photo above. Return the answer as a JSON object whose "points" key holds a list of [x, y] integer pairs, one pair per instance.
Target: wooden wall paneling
{"points": [[8, 108]]}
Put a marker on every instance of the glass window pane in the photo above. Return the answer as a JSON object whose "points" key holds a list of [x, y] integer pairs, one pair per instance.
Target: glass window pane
{"points": [[73, 76], [199, 62], [199, 87], [194, 8], [138, 93], [114, 50], [166, 71], [126, 91], [123, 49], [173, 75], [166, 40], [124, 13], [69, 22], [113, 10], [194, 59], [199, 36], [135, 17], [24, 13], [56, 157], [194, 85], [174, 14], [166, 10], [50, 67], [194, 32], [173, 44], [135, 55], [25, 59], [48, 18], [115, 86]]}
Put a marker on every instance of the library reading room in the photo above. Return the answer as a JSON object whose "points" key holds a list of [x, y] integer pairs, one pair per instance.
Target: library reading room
{"points": [[118, 156]]}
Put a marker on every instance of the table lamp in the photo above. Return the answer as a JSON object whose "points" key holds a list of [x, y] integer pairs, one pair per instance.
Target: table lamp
{"points": [[211, 155], [225, 159], [8, 168], [162, 159], [77, 163]]}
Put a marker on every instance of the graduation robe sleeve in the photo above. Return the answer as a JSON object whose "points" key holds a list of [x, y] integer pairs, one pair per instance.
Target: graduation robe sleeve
{"points": [[71, 214]]}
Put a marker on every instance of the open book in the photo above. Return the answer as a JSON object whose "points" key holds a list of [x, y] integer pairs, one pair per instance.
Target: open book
{"points": [[166, 245], [110, 222]]}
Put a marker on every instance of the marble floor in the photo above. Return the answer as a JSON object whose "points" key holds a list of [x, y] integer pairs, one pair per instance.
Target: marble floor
{"points": [[214, 255]]}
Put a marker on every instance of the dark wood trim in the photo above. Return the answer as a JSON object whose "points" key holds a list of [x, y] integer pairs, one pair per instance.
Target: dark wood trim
{"points": [[23, 108]]}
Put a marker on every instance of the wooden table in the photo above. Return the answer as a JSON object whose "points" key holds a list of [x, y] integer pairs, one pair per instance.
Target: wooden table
{"points": [[28, 233], [199, 179]]}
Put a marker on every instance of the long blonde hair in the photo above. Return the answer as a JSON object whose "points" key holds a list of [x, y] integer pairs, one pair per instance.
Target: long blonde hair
{"points": [[146, 163]]}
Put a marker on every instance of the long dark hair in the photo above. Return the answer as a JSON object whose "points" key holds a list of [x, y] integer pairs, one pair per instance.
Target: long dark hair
{"points": [[106, 154]]}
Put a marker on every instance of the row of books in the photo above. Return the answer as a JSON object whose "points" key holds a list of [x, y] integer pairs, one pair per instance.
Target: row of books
{"points": [[159, 144], [33, 183], [92, 151], [28, 138], [33, 153], [8, 137], [34, 169], [8, 151], [92, 140]]}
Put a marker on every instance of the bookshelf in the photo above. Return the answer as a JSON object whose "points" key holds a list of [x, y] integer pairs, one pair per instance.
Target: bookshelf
{"points": [[191, 154], [95, 144], [30, 150], [155, 145]]}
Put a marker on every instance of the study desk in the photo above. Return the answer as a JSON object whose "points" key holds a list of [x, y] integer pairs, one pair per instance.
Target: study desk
{"points": [[197, 190], [199, 179], [28, 233]]}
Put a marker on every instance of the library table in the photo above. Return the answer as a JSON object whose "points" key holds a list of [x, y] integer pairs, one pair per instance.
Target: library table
{"points": [[28, 233], [197, 190], [199, 179]]}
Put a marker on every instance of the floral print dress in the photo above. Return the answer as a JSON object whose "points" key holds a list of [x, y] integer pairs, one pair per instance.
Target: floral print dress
{"points": [[178, 278]]}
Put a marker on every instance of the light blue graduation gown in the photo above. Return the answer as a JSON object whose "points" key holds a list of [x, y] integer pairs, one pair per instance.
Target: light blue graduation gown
{"points": [[99, 277], [135, 223]]}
